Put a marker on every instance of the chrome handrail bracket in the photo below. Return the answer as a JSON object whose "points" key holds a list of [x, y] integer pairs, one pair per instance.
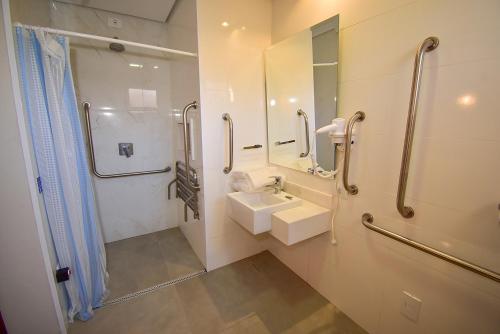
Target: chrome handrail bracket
{"points": [[302, 113], [86, 110], [359, 116], [427, 45], [184, 190], [368, 220], [228, 119]]}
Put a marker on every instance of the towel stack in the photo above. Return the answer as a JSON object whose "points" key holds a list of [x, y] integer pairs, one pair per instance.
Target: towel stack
{"points": [[255, 179]]}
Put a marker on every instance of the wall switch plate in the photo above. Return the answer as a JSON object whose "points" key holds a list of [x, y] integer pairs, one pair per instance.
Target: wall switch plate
{"points": [[410, 306], [114, 22]]}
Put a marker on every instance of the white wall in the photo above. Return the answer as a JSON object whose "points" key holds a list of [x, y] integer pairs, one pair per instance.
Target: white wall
{"points": [[453, 184], [27, 288], [231, 80]]}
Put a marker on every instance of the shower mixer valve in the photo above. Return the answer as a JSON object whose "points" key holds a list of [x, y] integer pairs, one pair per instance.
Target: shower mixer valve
{"points": [[126, 149]]}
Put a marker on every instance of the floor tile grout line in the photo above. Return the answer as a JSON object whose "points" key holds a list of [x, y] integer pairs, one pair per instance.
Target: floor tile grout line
{"points": [[153, 288]]}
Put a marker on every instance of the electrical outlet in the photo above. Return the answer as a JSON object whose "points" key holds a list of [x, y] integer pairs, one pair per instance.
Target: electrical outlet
{"points": [[410, 306], [114, 22]]}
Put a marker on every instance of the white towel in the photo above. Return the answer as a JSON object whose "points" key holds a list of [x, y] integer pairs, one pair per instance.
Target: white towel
{"points": [[254, 180], [262, 177]]}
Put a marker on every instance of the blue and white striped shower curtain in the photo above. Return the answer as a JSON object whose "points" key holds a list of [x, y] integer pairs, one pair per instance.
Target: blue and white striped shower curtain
{"points": [[58, 144]]}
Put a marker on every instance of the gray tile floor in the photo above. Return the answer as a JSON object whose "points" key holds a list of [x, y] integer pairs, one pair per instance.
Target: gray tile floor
{"points": [[141, 262], [255, 295]]}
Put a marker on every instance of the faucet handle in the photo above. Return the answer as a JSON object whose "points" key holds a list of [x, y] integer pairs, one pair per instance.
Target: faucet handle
{"points": [[277, 179]]}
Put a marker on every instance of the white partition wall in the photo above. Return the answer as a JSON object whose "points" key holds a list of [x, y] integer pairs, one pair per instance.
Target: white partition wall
{"points": [[185, 87], [231, 38]]}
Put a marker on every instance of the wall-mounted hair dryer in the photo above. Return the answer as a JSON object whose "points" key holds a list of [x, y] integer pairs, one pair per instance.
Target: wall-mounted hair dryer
{"points": [[335, 130]]}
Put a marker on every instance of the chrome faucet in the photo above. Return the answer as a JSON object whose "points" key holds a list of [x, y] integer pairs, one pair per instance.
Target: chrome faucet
{"points": [[277, 184]]}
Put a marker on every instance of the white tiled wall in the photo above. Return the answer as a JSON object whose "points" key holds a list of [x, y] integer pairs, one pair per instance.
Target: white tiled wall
{"points": [[135, 205], [231, 80], [454, 180]]}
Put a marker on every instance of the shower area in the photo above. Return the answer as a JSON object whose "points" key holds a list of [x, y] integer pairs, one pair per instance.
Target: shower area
{"points": [[135, 78]]}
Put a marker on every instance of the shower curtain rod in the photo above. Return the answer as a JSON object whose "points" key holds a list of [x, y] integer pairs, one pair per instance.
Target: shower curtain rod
{"points": [[107, 39]]}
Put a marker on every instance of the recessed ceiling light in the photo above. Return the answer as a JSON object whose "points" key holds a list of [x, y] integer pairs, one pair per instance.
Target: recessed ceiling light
{"points": [[135, 65], [106, 108], [466, 100], [225, 24], [156, 67]]}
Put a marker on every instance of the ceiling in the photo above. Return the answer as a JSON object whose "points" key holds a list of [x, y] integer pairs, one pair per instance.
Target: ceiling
{"points": [[157, 10]]}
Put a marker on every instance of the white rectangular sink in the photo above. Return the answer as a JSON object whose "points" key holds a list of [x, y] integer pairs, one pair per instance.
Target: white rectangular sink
{"points": [[253, 210], [300, 223]]}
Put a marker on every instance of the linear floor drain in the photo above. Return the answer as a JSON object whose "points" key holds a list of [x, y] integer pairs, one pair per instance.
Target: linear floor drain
{"points": [[153, 288]]}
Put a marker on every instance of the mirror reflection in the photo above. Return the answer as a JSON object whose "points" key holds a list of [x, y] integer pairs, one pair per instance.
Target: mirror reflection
{"points": [[301, 85]]}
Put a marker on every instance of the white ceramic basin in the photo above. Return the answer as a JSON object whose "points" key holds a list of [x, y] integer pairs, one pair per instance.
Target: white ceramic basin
{"points": [[300, 223], [253, 210]]}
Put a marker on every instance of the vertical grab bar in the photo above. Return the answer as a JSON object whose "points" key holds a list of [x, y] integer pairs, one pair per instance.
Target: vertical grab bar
{"points": [[427, 45], [359, 116], [301, 112], [227, 118], [192, 105]]}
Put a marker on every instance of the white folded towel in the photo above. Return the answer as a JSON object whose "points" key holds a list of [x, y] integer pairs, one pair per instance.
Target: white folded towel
{"points": [[254, 180]]}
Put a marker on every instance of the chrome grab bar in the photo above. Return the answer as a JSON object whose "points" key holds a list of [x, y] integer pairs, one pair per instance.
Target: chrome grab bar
{"points": [[278, 143], [301, 112], [192, 105], [227, 118], [251, 147], [359, 116], [427, 45], [367, 220], [86, 109]]}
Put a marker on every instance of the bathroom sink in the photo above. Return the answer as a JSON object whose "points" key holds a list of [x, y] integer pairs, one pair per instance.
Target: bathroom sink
{"points": [[253, 210]]}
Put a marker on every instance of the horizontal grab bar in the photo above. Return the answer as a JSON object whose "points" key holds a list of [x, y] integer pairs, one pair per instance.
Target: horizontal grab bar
{"points": [[86, 110], [284, 142], [367, 220], [252, 147]]}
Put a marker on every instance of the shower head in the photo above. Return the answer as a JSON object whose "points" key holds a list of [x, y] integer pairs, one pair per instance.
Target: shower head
{"points": [[117, 47]]}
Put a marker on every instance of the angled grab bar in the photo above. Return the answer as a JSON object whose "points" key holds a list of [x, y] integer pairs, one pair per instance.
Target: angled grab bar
{"points": [[367, 220], [228, 119], [427, 45], [192, 105], [302, 113], [359, 116], [86, 110]]}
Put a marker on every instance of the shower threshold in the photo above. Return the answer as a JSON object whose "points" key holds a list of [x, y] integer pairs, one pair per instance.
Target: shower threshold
{"points": [[153, 288]]}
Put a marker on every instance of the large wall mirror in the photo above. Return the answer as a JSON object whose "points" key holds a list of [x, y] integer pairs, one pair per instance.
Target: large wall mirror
{"points": [[301, 85]]}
